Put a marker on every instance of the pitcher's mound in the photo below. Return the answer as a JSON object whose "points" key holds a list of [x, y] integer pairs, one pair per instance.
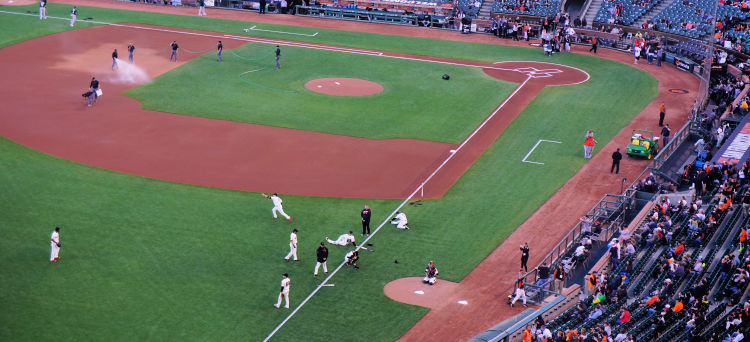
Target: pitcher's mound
{"points": [[344, 86], [412, 291]]}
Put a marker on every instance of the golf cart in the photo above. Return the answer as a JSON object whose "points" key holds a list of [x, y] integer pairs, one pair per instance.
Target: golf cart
{"points": [[643, 144]]}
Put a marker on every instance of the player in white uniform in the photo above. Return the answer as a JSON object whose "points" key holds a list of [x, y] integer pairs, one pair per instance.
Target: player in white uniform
{"points": [[42, 9], [285, 282], [430, 274], [73, 14], [292, 246], [343, 240], [277, 206], [54, 245], [400, 220]]}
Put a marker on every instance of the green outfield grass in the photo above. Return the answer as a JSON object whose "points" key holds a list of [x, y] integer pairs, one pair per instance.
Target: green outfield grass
{"points": [[415, 102], [146, 259]]}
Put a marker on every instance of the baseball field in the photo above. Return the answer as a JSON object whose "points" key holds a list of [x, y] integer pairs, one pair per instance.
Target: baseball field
{"points": [[151, 257]]}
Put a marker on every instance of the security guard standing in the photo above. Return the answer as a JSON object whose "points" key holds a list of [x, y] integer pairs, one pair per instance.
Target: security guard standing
{"points": [[616, 157], [366, 213]]}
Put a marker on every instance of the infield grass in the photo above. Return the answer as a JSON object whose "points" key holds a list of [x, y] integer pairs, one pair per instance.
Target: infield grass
{"points": [[145, 259], [415, 102]]}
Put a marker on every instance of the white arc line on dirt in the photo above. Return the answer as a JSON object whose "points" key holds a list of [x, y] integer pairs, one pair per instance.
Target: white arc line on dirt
{"points": [[533, 148], [284, 32], [387, 219]]}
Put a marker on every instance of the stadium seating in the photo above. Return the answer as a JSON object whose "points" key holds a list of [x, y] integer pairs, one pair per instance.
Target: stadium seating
{"points": [[542, 8], [695, 13], [631, 10]]}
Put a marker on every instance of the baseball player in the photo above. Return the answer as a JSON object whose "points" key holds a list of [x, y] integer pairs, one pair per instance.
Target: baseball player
{"points": [[430, 274], [54, 244], [277, 206], [219, 49], [520, 292], [285, 282], [343, 240], [174, 47], [322, 254], [292, 246], [400, 220], [131, 51], [351, 259], [201, 8], [42, 9], [73, 14], [278, 56]]}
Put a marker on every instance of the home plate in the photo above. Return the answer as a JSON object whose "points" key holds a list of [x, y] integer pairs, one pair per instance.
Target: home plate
{"points": [[419, 292], [462, 302]]}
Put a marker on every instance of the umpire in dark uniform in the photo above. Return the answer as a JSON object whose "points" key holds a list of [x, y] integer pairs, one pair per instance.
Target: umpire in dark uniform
{"points": [[366, 213], [616, 157]]}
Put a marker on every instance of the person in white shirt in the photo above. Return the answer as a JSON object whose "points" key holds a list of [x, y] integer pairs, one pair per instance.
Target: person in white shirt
{"points": [[277, 202], [292, 246], [343, 240], [400, 220], [284, 293], [54, 245]]}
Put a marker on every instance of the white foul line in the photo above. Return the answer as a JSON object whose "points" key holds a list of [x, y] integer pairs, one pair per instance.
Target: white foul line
{"points": [[533, 148], [284, 32], [450, 156]]}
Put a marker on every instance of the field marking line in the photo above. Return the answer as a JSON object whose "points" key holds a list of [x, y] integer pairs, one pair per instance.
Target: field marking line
{"points": [[420, 187], [310, 46], [284, 32], [533, 148]]}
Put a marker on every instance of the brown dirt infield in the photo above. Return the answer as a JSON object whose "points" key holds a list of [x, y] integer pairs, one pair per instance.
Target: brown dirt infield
{"points": [[343, 86], [413, 291], [484, 285]]}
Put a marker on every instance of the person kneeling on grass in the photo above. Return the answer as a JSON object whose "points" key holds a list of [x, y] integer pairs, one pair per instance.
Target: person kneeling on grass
{"points": [[400, 220], [351, 259], [430, 274]]}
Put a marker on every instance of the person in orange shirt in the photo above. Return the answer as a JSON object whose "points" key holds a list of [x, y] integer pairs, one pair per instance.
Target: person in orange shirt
{"points": [[662, 113], [678, 250], [526, 336], [743, 237], [678, 306], [588, 144]]}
